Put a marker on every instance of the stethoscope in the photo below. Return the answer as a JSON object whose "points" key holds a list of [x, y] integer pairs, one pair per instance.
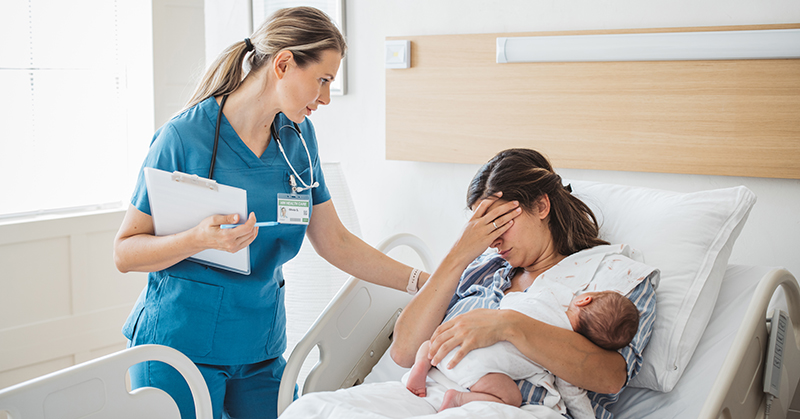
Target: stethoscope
{"points": [[274, 132]]}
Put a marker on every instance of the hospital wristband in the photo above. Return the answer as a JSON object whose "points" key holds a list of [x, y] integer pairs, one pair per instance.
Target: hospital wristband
{"points": [[413, 280]]}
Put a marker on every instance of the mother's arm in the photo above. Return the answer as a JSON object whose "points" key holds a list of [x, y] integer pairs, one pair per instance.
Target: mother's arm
{"points": [[565, 353], [426, 311]]}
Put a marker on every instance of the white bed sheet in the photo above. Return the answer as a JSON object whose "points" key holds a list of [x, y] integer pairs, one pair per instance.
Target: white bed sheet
{"points": [[391, 400], [687, 398]]}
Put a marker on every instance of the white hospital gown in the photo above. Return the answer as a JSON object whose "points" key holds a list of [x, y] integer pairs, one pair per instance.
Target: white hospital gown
{"points": [[541, 304]]}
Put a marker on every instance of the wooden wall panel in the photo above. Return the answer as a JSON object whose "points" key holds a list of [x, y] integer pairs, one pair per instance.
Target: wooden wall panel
{"points": [[455, 104]]}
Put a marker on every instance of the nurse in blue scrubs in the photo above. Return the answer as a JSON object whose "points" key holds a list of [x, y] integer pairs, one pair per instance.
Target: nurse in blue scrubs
{"points": [[233, 326]]}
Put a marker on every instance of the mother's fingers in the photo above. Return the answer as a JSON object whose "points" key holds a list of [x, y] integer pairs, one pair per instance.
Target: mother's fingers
{"points": [[442, 342], [477, 328], [485, 204], [505, 218], [500, 228], [502, 207]]}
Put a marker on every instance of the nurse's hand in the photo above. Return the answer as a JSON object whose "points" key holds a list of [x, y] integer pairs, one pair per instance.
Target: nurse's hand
{"points": [[491, 218], [228, 239]]}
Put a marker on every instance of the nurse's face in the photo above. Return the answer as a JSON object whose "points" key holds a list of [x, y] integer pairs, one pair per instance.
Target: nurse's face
{"points": [[527, 241], [303, 89]]}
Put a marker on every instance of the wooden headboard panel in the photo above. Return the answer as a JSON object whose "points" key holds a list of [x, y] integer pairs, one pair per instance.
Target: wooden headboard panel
{"points": [[455, 104]]}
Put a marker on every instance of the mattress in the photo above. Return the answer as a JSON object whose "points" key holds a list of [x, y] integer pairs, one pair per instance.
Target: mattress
{"points": [[687, 398]]}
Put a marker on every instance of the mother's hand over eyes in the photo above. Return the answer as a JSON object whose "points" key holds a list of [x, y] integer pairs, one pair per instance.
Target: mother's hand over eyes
{"points": [[488, 222]]}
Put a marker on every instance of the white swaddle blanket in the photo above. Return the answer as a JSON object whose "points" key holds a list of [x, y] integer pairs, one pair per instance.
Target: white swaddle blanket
{"points": [[602, 268]]}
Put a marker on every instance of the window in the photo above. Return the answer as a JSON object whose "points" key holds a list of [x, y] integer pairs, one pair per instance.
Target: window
{"points": [[263, 9], [76, 113]]}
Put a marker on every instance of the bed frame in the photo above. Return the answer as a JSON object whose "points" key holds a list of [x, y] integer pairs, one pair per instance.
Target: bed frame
{"points": [[98, 389], [737, 391], [345, 358]]}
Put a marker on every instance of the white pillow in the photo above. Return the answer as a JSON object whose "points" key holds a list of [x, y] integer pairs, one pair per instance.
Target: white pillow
{"points": [[689, 237]]}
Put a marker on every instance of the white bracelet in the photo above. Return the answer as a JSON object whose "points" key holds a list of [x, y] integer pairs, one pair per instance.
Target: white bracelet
{"points": [[413, 279]]}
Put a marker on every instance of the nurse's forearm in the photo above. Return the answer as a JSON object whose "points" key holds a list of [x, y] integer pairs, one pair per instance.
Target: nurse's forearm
{"points": [[359, 259], [148, 253], [137, 248], [349, 253]]}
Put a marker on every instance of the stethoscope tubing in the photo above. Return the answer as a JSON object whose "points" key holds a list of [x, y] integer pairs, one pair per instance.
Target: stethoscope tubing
{"points": [[274, 133], [216, 137]]}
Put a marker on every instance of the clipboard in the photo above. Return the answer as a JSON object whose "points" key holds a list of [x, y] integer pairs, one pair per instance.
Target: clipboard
{"points": [[179, 201]]}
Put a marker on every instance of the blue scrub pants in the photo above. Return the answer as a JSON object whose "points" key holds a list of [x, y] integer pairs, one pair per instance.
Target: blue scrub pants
{"points": [[237, 391]]}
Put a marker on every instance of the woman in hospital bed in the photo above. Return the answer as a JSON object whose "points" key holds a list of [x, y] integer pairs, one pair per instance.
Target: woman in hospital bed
{"points": [[540, 231]]}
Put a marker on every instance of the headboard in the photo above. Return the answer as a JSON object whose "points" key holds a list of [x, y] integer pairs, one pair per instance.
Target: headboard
{"points": [[730, 117]]}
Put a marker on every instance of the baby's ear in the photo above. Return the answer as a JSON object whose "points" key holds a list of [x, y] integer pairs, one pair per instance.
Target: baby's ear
{"points": [[583, 301]]}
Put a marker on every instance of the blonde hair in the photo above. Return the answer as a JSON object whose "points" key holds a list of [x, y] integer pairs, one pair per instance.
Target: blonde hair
{"points": [[305, 31]]}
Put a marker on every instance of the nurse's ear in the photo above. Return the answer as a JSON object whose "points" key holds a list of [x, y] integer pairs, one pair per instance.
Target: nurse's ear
{"points": [[282, 62]]}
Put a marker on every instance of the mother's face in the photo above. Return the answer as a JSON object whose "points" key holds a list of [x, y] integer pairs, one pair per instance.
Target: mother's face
{"points": [[529, 238]]}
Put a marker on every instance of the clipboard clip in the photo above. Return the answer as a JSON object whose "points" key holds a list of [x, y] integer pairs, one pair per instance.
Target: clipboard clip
{"points": [[195, 180]]}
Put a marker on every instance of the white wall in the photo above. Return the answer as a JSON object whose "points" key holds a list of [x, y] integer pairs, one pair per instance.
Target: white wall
{"points": [[62, 301], [427, 199]]}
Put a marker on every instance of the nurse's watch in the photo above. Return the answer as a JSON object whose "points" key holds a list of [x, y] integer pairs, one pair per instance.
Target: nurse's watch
{"points": [[413, 279]]}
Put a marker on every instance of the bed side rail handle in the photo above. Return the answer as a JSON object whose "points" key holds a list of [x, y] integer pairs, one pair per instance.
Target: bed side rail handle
{"points": [[731, 400], [318, 332]]}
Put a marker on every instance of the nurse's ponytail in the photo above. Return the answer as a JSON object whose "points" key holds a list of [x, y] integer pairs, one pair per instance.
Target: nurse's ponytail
{"points": [[525, 175], [305, 31]]}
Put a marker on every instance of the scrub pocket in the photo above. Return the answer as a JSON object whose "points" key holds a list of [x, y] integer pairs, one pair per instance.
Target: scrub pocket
{"points": [[187, 315], [129, 329], [277, 337]]}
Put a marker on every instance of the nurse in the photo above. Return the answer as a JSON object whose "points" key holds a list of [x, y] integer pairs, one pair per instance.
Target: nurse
{"points": [[233, 326]]}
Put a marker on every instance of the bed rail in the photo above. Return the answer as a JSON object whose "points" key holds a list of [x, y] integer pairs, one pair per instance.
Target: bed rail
{"points": [[372, 309], [738, 390], [97, 388]]}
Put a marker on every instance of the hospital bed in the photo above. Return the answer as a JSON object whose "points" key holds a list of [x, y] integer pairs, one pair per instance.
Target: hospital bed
{"points": [[732, 308], [725, 367]]}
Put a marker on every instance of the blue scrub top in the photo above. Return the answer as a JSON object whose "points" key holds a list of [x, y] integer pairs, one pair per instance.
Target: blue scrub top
{"points": [[212, 315]]}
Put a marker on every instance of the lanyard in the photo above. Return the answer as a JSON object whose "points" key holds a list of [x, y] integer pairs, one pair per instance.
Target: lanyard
{"points": [[274, 132]]}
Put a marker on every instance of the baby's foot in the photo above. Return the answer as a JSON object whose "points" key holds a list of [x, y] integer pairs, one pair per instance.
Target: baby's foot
{"points": [[416, 380], [452, 398]]}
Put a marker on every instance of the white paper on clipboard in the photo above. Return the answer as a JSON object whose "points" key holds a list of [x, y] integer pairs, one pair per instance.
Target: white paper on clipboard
{"points": [[179, 201]]}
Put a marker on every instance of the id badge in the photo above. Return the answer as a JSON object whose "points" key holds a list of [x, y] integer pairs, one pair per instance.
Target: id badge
{"points": [[293, 209]]}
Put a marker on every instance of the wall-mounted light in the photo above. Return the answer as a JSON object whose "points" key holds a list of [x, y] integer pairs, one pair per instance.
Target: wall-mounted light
{"points": [[721, 45], [398, 54]]}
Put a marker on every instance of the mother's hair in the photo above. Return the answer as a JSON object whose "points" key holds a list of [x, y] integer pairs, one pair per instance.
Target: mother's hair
{"points": [[525, 175]]}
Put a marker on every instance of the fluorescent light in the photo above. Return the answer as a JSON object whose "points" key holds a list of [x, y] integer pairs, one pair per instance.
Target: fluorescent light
{"points": [[721, 45]]}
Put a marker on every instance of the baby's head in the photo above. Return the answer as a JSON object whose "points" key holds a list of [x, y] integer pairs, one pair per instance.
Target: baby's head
{"points": [[607, 318]]}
